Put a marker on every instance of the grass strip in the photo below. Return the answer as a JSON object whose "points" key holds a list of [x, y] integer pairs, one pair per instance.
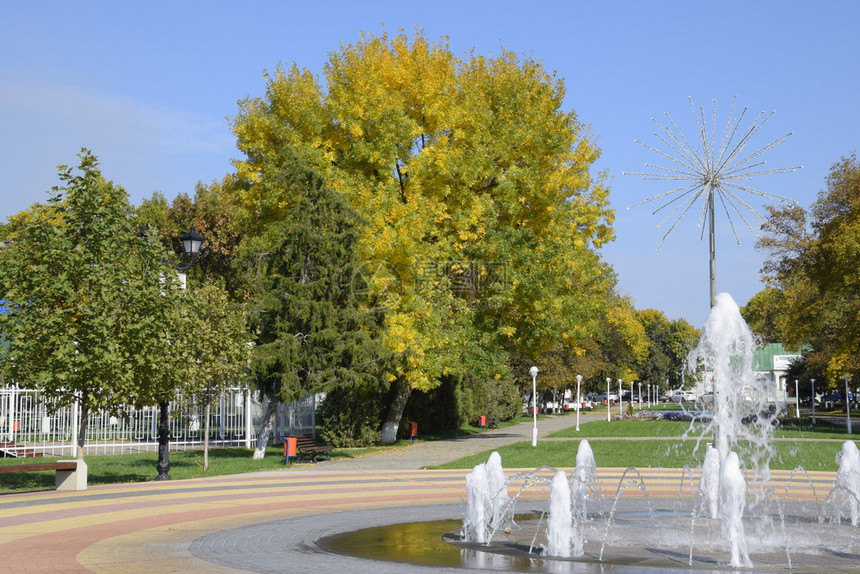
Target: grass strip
{"points": [[649, 453]]}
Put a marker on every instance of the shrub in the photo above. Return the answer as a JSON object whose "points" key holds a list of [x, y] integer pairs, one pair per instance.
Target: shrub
{"points": [[351, 417]]}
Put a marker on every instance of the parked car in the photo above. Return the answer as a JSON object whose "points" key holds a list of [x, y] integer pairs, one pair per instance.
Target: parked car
{"points": [[707, 398], [602, 397], [680, 396]]}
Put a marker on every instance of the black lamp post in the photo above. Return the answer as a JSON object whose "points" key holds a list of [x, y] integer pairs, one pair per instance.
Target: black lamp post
{"points": [[191, 242]]}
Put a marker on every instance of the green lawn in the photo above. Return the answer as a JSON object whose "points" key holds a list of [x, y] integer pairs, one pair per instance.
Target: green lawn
{"points": [[662, 447], [648, 453], [112, 469], [661, 428]]}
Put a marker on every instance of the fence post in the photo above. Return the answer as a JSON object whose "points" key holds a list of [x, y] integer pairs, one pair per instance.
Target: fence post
{"points": [[75, 421], [248, 418], [13, 401], [221, 418]]}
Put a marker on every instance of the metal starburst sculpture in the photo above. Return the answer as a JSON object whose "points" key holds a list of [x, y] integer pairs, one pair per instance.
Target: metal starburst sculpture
{"points": [[711, 169]]}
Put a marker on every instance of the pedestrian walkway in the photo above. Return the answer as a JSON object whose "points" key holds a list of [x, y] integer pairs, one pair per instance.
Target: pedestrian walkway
{"points": [[425, 454], [262, 522]]}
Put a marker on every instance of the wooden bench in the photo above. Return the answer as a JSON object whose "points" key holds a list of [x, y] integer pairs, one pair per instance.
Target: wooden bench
{"points": [[308, 448], [492, 423], [71, 474]]}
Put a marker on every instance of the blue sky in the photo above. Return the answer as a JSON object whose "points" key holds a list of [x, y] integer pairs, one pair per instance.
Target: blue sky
{"points": [[149, 87]]}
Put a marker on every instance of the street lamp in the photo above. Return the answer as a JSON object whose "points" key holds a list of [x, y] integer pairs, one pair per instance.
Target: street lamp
{"points": [[533, 372], [620, 402], [578, 400], [191, 242]]}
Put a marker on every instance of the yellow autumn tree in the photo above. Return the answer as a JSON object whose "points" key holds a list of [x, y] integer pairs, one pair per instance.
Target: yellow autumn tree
{"points": [[480, 216]]}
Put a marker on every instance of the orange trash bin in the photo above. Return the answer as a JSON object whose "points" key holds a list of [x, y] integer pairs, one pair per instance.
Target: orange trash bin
{"points": [[289, 448]]}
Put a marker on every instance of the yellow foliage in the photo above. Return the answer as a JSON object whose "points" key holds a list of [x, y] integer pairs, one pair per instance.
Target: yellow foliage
{"points": [[449, 162]]}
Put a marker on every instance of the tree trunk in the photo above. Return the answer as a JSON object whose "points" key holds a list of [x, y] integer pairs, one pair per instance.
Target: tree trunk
{"points": [[82, 432], [206, 437], [266, 429], [402, 390]]}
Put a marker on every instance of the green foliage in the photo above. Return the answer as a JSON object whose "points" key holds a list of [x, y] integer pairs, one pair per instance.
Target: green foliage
{"points": [[214, 216], [441, 408], [222, 349], [351, 417], [459, 401], [669, 344], [813, 266], [95, 313], [312, 332]]}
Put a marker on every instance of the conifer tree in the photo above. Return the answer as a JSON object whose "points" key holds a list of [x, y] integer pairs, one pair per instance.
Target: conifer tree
{"points": [[313, 331]]}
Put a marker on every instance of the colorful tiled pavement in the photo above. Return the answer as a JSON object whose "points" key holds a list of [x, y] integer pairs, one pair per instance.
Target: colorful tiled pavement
{"points": [[174, 526]]}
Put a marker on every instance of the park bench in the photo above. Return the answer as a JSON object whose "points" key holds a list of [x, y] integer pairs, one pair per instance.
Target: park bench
{"points": [[492, 423], [71, 474], [309, 449]]}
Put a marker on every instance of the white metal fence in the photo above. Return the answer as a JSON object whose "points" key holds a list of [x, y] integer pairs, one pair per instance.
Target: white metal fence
{"points": [[31, 425]]}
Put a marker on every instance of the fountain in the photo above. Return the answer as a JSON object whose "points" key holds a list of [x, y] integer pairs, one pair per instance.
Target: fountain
{"points": [[735, 519]]}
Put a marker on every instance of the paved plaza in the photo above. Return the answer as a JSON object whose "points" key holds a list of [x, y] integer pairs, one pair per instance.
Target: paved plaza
{"points": [[260, 522]]}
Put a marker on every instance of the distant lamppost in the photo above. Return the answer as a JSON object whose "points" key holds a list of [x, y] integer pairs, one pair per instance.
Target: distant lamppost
{"points": [[191, 242], [533, 372], [796, 400], [578, 399], [812, 381], [608, 414], [847, 405]]}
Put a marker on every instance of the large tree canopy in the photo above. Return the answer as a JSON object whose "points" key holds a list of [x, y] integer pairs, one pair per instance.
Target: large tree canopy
{"points": [[480, 217]]}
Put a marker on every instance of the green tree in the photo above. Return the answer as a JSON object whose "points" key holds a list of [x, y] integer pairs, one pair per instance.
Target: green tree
{"points": [[813, 263], [222, 348], [670, 343], [623, 341], [762, 314], [479, 215], [216, 218], [95, 314], [313, 333]]}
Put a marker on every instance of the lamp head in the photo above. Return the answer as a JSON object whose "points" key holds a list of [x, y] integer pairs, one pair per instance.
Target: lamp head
{"points": [[191, 242]]}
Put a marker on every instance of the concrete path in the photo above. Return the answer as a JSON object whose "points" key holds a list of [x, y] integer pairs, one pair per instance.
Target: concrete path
{"points": [[434, 453], [262, 522]]}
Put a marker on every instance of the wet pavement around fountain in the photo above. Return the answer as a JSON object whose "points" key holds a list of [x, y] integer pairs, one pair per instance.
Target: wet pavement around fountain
{"points": [[272, 521]]}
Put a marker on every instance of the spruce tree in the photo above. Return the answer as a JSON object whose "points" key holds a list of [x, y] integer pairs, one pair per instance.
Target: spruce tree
{"points": [[314, 329]]}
